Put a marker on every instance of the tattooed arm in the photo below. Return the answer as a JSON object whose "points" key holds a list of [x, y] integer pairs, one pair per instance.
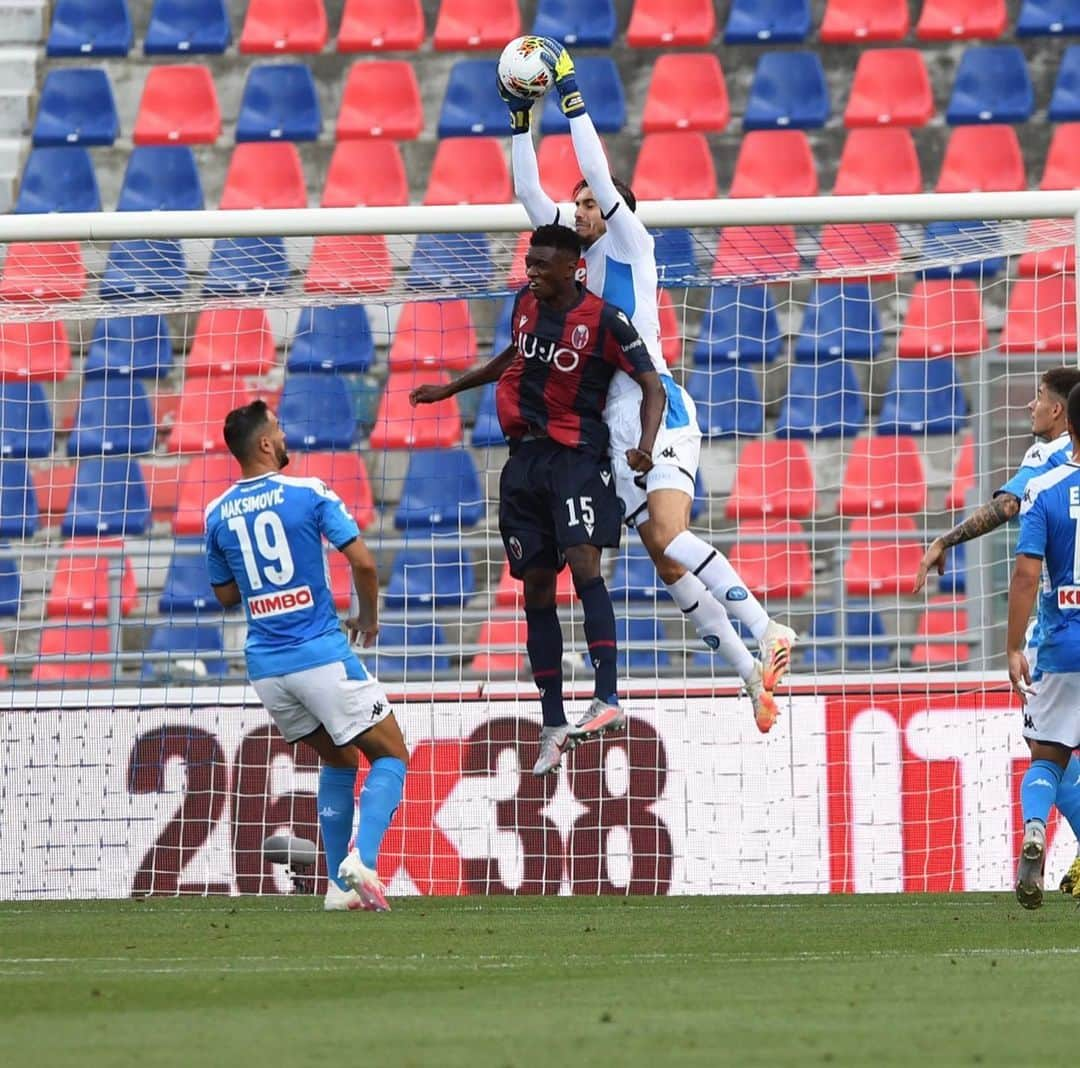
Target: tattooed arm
{"points": [[985, 518]]}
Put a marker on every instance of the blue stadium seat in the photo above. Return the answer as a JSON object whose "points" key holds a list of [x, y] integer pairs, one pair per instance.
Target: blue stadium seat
{"points": [[317, 412], [411, 636], [137, 345], [945, 240], [635, 577], [186, 27], [280, 103], [161, 178], [187, 586], [955, 578], [788, 92], [602, 88], [450, 261], [486, 432], [701, 497], [430, 578], [114, 418], [740, 323], [247, 265], [647, 630], [10, 586], [332, 340], [1044, 18], [470, 107], [767, 21], [26, 427], [194, 647], [18, 502], [841, 320], [90, 28], [861, 622], [137, 269], [992, 85], [1065, 102], [822, 400], [58, 179], [577, 23], [109, 498], [441, 491], [923, 397], [823, 657], [76, 108], [728, 400], [503, 323], [676, 262]]}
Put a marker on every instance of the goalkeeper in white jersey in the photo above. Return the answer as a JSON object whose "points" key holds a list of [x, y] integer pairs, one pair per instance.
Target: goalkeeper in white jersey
{"points": [[620, 267]]}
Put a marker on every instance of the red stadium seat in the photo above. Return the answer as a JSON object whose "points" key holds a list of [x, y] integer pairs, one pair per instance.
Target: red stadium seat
{"points": [[858, 21], [204, 403], [963, 474], [468, 170], [746, 253], [1061, 171], [399, 425], [946, 620], [1046, 261], [80, 586], [53, 270], [381, 99], [179, 106], [476, 24], [674, 166], [381, 26], [848, 246], [434, 333], [883, 476], [558, 165], [671, 336], [879, 566], [233, 342], [201, 480], [284, 26], [264, 174], [38, 352], [163, 488], [53, 483], [1041, 316], [774, 163], [946, 20], [655, 23], [508, 592], [687, 92], [983, 159], [503, 641], [773, 479], [944, 318], [891, 88], [62, 640], [345, 474], [515, 278], [773, 568], [881, 160]]}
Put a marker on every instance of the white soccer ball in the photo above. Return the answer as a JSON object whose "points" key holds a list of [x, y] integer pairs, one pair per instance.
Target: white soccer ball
{"points": [[521, 70]]}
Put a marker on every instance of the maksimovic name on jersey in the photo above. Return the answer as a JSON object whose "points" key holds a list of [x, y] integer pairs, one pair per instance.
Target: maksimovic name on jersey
{"points": [[256, 503]]}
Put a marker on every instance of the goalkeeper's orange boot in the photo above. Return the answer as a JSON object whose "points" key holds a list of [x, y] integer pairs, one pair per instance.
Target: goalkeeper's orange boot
{"points": [[775, 645], [765, 710]]}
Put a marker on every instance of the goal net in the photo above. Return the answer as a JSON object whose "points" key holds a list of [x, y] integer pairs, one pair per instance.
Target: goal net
{"points": [[861, 369]]}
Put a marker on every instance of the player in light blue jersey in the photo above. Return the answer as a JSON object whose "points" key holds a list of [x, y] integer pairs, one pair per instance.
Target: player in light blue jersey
{"points": [[264, 549], [1048, 567]]}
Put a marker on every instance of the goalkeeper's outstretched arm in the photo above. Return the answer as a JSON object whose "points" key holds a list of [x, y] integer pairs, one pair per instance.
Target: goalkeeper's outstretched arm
{"points": [[540, 208]]}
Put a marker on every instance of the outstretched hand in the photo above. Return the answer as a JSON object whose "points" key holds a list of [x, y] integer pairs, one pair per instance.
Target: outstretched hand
{"points": [[934, 557], [519, 108], [427, 394], [561, 63]]}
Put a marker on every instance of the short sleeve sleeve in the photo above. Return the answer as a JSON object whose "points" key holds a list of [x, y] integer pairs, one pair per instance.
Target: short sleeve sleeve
{"points": [[335, 523], [624, 346], [1032, 541]]}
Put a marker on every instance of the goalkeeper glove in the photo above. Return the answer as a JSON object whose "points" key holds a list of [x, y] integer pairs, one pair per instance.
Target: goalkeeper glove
{"points": [[520, 109], [561, 63]]}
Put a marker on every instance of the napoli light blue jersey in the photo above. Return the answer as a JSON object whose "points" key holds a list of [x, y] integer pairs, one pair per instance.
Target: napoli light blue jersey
{"points": [[1049, 517], [1042, 456], [266, 534]]}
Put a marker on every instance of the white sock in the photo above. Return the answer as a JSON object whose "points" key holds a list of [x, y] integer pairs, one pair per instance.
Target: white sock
{"points": [[712, 567], [711, 622]]}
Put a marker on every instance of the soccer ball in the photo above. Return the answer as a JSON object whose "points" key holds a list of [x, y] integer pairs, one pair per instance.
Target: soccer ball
{"points": [[521, 70]]}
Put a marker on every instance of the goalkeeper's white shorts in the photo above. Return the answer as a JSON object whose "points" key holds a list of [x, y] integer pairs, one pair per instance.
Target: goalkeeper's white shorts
{"points": [[1052, 712]]}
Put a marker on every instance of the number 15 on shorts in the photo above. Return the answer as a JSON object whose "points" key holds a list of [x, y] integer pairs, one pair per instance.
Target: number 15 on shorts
{"points": [[580, 511]]}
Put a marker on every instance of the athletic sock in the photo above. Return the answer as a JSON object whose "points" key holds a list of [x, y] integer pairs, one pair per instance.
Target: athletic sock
{"points": [[1068, 795], [1038, 789], [544, 642], [336, 806], [712, 567], [379, 800], [599, 620], [711, 622]]}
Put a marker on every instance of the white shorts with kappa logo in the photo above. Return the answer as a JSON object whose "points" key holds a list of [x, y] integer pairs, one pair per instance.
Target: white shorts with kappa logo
{"points": [[1052, 712]]}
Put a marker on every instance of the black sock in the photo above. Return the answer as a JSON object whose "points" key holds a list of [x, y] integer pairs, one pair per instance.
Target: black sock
{"points": [[544, 642], [600, 634]]}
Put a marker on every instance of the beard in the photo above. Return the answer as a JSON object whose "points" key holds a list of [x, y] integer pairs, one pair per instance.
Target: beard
{"points": [[282, 458]]}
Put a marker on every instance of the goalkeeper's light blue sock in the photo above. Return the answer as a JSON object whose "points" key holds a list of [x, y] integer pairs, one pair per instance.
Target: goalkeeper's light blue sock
{"points": [[1068, 795], [336, 806], [1039, 788], [379, 800]]}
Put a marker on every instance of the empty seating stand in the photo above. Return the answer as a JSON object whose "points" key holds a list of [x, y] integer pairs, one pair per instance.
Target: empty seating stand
{"points": [[883, 476], [398, 425], [441, 491], [469, 106], [434, 334], [923, 397], [1065, 101], [114, 418], [138, 345], [90, 28], [1044, 18], [264, 174], [879, 160], [231, 342], [740, 323], [468, 170], [822, 400], [728, 401], [774, 163], [602, 88], [891, 88], [576, 24], [859, 21], [425, 579], [187, 27], [179, 105], [788, 91], [425, 650], [381, 99], [109, 498], [192, 650], [75, 654], [83, 584], [982, 159], [944, 318], [687, 92], [780, 568], [773, 479], [767, 21], [992, 85], [345, 473], [76, 108], [279, 103], [18, 502], [47, 271], [882, 566], [841, 321], [674, 166], [317, 412], [161, 178], [26, 426], [464, 24], [381, 25], [943, 625], [284, 26], [659, 23], [34, 351], [58, 179], [335, 340], [1041, 316], [943, 20]]}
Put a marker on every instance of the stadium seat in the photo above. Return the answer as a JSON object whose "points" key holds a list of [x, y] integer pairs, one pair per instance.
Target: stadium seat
{"points": [[345, 474], [944, 20], [335, 340], [774, 163], [773, 479], [187, 588], [1062, 167], [992, 85], [502, 643], [87, 654], [109, 498], [434, 333], [923, 397], [58, 179], [1065, 101], [161, 178], [381, 98], [674, 166], [486, 432], [687, 92], [883, 476], [508, 591], [820, 658], [82, 587], [891, 88], [576, 24], [399, 425], [273, 26], [264, 174], [51, 270], [179, 106], [881, 160], [76, 107], [772, 21], [558, 166], [195, 653], [139, 345], [602, 88], [634, 577], [739, 323], [755, 252], [468, 170], [1041, 316], [781, 569], [943, 624], [674, 252], [948, 241], [465, 24], [450, 261], [728, 401], [963, 474], [436, 577], [671, 332], [414, 664], [955, 578], [90, 28], [246, 265], [637, 631], [859, 21], [882, 567], [381, 25], [36, 351], [788, 92], [663, 23], [470, 107], [10, 588], [841, 320], [982, 159], [187, 27], [18, 502], [860, 621], [441, 491], [848, 247], [1045, 18], [201, 480], [317, 412], [138, 269], [231, 342], [114, 418], [204, 403], [944, 318], [279, 103], [823, 400], [26, 424]]}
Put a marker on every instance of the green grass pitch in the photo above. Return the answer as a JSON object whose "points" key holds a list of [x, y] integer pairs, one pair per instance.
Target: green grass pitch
{"points": [[559, 982]]}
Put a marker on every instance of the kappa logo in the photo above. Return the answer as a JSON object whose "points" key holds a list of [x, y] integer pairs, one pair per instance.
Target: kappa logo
{"points": [[1029, 723], [605, 477], [377, 709], [515, 548], [328, 813], [668, 454], [580, 336], [1043, 782]]}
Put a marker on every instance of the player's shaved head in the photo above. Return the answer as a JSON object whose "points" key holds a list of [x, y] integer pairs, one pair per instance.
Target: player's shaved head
{"points": [[562, 238]]}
